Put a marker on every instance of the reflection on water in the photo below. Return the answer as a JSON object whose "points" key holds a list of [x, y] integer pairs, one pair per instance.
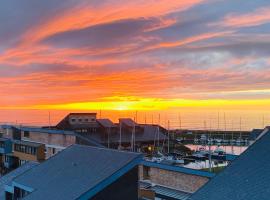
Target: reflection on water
{"points": [[236, 150]]}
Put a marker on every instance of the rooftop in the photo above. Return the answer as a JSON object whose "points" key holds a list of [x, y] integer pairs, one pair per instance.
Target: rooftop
{"points": [[127, 121], [32, 144], [164, 192], [107, 123], [54, 178], [178, 169], [246, 178], [45, 130], [145, 134], [6, 181]]}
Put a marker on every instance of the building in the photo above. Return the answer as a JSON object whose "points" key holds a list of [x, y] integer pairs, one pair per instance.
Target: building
{"points": [[54, 140], [21, 144], [80, 172], [126, 134], [9, 131], [79, 122], [6, 181], [28, 151], [246, 178], [160, 181]]}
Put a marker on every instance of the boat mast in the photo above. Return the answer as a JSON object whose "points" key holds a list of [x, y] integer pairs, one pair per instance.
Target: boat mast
{"points": [[168, 137], [225, 126], [109, 133], [263, 122], [120, 134], [240, 128], [158, 128], [134, 134], [180, 121]]}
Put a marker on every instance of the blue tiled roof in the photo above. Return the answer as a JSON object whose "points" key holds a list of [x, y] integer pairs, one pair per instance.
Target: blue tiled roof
{"points": [[76, 171], [246, 178], [178, 169], [255, 133], [43, 130], [6, 126], [7, 179], [37, 129]]}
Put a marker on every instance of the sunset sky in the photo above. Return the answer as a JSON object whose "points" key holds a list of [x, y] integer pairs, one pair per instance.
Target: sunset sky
{"points": [[134, 55]]}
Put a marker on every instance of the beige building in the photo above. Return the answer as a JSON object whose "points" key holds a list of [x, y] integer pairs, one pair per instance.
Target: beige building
{"points": [[159, 181]]}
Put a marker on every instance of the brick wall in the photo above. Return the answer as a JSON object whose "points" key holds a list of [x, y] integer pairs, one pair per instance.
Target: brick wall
{"points": [[51, 139], [180, 181]]}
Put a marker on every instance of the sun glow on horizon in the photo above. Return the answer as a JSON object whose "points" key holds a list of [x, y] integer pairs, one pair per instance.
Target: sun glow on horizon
{"points": [[151, 104]]}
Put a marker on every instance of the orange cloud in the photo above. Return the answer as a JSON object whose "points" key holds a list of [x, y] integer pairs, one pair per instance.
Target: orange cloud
{"points": [[258, 17], [84, 16]]}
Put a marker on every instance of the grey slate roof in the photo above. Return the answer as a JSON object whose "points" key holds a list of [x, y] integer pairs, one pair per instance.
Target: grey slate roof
{"points": [[7, 179], [128, 122], [74, 171], [165, 192], [246, 178], [148, 133], [106, 123]]}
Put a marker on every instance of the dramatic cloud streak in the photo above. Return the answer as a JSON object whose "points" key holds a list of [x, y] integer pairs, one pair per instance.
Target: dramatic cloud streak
{"points": [[258, 17], [75, 53]]}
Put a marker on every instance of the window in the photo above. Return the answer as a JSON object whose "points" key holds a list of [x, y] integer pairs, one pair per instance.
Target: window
{"points": [[73, 120], [25, 149], [26, 134], [146, 174], [53, 150], [6, 159], [80, 120], [21, 162], [2, 144], [86, 120]]}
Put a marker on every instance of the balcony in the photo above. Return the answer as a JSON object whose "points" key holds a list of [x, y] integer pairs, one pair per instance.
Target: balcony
{"points": [[29, 151]]}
